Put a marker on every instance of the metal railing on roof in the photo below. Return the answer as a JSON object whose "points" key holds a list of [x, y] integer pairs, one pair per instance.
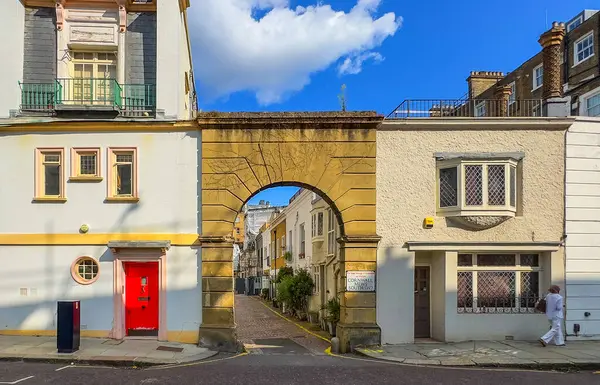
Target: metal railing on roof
{"points": [[466, 108]]}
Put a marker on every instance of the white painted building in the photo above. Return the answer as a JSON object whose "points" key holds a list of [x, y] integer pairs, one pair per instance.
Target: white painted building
{"points": [[103, 211], [298, 221], [583, 229]]}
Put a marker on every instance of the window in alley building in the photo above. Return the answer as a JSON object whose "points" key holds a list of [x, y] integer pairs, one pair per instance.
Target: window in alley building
{"points": [[93, 78], [85, 270], [330, 232], [498, 283]]}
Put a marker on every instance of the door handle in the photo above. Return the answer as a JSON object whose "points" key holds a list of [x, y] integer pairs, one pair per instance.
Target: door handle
{"points": [[143, 307]]}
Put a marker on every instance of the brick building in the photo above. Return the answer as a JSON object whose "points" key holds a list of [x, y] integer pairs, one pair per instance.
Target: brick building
{"points": [[571, 53]]}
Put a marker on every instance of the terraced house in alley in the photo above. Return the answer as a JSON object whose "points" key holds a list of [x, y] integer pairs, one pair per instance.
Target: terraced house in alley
{"points": [[95, 119]]}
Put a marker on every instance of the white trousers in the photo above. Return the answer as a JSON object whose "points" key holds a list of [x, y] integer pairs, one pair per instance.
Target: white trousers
{"points": [[555, 333]]}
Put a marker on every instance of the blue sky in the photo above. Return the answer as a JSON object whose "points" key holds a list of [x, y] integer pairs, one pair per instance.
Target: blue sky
{"points": [[260, 56]]}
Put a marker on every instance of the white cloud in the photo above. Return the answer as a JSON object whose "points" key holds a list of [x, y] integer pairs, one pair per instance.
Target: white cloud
{"points": [[276, 54], [353, 65]]}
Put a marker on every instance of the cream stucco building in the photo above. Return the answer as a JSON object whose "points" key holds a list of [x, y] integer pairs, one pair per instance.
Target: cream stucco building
{"points": [[470, 214]]}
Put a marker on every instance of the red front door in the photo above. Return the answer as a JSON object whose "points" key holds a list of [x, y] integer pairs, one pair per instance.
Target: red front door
{"points": [[141, 298]]}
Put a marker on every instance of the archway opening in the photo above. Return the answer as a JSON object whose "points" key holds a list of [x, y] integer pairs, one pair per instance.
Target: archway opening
{"points": [[287, 265]]}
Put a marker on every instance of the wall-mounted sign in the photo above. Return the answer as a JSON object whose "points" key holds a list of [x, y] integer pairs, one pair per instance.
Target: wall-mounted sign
{"points": [[360, 281]]}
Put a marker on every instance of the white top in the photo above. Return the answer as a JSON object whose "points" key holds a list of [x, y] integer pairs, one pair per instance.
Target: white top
{"points": [[554, 306]]}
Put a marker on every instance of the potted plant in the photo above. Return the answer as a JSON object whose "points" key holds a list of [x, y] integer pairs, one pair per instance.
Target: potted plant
{"points": [[333, 315], [287, 256]]}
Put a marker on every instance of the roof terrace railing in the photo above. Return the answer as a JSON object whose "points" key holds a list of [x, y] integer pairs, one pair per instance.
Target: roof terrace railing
{"points": [[466, 108]]}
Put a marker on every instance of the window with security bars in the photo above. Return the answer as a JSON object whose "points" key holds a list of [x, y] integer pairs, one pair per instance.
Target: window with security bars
{"points": [[475, 187], [498, 283], [85, 164]]}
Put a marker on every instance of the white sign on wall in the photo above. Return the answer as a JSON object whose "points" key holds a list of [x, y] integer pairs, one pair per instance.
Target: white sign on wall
{"points": [[360, 281]]}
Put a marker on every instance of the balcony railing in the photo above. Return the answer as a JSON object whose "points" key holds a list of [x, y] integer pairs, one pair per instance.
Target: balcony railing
{"points": [[40, 97], [134, 100], [465, 108]]}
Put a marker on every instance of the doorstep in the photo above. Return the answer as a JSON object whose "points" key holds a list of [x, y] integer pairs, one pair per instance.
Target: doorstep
{"points": [[515, 354], [98, 351]]}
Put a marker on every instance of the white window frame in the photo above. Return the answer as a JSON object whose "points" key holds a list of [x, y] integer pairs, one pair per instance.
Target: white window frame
{"points": [[302, 235], [485, 209], [480, 109], [583, 111], [513, 93], [318, 232], [330, 233], [317, 279], [516, 268], [576, 53], [576, 22], [290, 245], [535, 77]]}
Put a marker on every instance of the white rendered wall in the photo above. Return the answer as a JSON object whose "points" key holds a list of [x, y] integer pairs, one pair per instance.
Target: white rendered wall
{"points": [[44, 272], [12, 29], [167, 167], [583, 228], [297, 213]]}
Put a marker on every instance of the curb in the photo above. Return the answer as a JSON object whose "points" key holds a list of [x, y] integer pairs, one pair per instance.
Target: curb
{"points": [[537, 366], [120, 362]]}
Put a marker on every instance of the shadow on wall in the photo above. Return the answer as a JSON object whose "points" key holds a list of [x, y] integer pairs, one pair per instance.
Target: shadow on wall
{"points": [[52, 279], [396, 305]]}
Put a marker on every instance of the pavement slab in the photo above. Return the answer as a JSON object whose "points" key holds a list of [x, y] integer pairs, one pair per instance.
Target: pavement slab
{"points": [[129, 352], [490, 353]]}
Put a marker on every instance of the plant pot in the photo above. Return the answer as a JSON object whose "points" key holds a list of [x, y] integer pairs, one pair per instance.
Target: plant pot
{"points": [[331, 326]]}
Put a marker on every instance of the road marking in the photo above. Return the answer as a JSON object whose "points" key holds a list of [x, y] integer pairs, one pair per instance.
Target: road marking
{"points": [[162, 367], [17, 381], [64, 367]]}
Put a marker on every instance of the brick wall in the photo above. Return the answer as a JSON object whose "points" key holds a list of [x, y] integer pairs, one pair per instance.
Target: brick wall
{"points": [[589, 67], [40, 45], [140, 42]]}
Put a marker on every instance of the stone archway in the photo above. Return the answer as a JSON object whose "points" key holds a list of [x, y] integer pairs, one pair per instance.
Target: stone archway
{"points": [[332, 153]]}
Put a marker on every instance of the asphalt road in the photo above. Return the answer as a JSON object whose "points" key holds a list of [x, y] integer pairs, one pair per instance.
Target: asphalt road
{"points": [[282, 369]]}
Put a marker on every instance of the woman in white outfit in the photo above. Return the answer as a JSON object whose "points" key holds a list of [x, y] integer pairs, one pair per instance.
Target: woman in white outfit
{"points": [[554, 312]]}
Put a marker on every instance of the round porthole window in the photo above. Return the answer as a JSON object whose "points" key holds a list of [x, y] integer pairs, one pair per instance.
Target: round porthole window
{"points": [[85, 270]]}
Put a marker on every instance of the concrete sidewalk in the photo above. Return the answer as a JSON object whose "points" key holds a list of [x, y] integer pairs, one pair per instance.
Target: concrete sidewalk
{"points": [[97, 351], [491, 354]]}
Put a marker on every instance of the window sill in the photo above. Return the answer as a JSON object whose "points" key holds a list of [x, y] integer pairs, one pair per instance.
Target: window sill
{"points": [[318, 238], [49, 200], [583, 61], [90, 179], [121, 199], [503, 212]]}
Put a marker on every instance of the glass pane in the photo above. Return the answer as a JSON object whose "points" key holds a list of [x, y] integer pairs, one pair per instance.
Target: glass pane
{"points": [[52, 180], [513, 186], [496, 260], [496, 288], [87, 164], [88, 56], [530, 285], [448, 187], [465, 290], [124, 181], [473, 185], [530, 260], [51, 158], [465, 260], [124, 158], [496, 185], [320, 224]]}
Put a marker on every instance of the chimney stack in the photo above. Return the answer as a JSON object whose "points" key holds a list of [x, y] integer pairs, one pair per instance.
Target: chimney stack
{"points": [[480, 81], [551, 42], [502, 96]]}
